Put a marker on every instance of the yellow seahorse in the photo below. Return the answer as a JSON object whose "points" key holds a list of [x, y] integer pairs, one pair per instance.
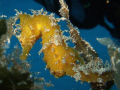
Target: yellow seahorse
{"points": [[57, 54], [60, 58]]}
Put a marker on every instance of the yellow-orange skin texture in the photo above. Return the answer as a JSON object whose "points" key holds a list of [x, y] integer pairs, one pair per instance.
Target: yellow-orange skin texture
{"points": [[59, 57]]}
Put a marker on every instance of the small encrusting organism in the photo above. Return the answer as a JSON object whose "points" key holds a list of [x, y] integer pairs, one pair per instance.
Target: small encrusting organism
{"points": [[81, 62]]}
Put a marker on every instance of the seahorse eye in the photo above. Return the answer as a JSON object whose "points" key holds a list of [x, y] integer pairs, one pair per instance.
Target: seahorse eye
{"points": [[21, 41]]}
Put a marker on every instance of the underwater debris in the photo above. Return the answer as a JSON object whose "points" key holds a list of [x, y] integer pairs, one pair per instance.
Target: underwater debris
{"points": [[102, 86], [85, 49], [114, 52], [15, 74], [14, 80]]}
